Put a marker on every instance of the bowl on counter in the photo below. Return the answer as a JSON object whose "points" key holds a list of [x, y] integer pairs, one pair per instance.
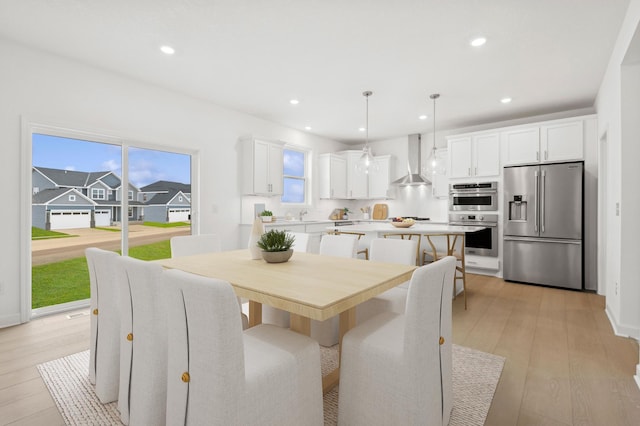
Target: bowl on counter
{"points": [[403, 224]]}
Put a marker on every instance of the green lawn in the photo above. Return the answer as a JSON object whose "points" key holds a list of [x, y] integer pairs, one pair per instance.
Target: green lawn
{"points": [[68, 280], [41, 234], [166, 225]]}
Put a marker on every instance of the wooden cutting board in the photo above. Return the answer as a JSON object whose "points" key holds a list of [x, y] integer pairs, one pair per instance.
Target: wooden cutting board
{"points": [[380, 211]]}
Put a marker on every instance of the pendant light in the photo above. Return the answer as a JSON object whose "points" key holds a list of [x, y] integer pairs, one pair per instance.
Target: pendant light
{"points": [[366, 163], [434, 164]]}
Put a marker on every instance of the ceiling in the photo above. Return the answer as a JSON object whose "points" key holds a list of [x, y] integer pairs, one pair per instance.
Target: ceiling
{"points": [[254, 56]]}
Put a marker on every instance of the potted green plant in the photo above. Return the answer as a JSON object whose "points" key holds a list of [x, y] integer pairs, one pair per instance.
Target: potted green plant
{"points": [[266, 216], [276, 246], [345, 213]]}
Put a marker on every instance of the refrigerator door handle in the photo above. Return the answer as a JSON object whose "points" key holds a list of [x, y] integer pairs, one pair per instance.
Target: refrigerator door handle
{"points": [[542, 240], [542, 190], [535, 209]]}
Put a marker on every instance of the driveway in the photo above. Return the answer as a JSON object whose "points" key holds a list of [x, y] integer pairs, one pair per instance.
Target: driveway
{"points": [[57, 249]]}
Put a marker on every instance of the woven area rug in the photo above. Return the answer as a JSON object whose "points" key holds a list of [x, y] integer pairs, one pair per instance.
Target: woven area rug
{"points": [[475, 377]]}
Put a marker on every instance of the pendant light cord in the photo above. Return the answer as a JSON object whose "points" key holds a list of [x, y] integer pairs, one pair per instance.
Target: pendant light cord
{"points": [[434, 97]]}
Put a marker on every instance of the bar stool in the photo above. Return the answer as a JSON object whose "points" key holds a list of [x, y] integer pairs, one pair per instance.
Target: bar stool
{"points": [[452, 240], [409, 237]]}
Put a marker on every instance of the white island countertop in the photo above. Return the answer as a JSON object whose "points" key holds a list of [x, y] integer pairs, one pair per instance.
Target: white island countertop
{"points": [[417, 228]]}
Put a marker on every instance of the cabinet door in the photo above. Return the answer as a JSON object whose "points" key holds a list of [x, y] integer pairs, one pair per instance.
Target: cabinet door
{"points": [[338, 177], [275, 166], [521, 146], [460, 157], [380, 179], [261, 167], [563, 141], [486, 155], [356, 179]]}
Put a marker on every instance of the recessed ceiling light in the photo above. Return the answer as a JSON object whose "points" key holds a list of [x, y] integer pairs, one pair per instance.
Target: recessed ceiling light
{"points": [[362, 129], [167, 50], [294, 102], [423, 117], [505, 100], [307, 127], [479, 41]]}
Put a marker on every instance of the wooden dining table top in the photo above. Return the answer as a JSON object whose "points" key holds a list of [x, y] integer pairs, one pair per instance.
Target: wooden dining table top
{"points": [[309, 285]]}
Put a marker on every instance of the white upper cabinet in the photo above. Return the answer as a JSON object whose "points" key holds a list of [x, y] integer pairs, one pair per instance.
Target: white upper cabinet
{"points": [[332, 175], [521, 146], [379, 180], [546, 142], [357, 180], [562, 141], [475, 155], [262, 164]]}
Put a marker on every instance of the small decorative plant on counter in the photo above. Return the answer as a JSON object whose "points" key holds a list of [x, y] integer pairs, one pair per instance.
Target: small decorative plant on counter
{"points": [[345, 213], [276, 246], [267, 216]]}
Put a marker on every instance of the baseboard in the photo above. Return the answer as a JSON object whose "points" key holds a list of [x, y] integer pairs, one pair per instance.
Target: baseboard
{"points": [[620, 329], [62, 307], [9, 320]]}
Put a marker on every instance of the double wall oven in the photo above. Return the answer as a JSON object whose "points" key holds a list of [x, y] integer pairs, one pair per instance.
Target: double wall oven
{"points": [[464, 200]]}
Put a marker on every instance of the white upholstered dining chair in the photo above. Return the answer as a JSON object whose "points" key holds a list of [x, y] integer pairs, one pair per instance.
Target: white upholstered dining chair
{"points": [[104, 349], [275, 316], [143, 346], [394, 300], [396, 369], [187, 245], [327, 332], [220, 375]]}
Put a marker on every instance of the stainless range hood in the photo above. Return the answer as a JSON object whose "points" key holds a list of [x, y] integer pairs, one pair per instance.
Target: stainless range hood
{"points": [[414, 165]]}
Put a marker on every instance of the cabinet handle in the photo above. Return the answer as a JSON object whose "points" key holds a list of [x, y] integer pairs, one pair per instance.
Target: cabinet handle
{"points": [[469, 171], [537, 156], [476, 172], [546, 154]]}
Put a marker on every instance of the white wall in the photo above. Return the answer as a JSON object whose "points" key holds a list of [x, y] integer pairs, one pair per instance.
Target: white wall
{"points": [[622, 233], [54, 90]]}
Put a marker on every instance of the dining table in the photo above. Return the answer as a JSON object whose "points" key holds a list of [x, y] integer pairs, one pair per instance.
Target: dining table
{"points": [[308, 286]]}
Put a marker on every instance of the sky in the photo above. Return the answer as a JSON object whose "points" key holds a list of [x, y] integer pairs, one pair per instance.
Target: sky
{"points": [[145, 166]]}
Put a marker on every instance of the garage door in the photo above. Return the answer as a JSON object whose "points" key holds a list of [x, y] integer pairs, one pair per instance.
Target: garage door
{"points": [[67, 219], [179, 215], [103, 217]]}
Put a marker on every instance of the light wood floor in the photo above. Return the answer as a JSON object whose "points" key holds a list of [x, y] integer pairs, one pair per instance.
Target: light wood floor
{"points": [[564, 364]]}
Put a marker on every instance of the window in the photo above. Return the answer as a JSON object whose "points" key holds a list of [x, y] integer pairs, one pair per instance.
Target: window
{"points": [[130, 195], [72, 197], [295, 176], [97, 193]]}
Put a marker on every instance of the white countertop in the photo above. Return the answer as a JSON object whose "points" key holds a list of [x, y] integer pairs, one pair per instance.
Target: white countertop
{"points": [[417, 228], [357, 222]]}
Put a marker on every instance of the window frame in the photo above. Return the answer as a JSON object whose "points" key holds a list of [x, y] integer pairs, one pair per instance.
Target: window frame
{"points": [[306, 178], [98, 192]]}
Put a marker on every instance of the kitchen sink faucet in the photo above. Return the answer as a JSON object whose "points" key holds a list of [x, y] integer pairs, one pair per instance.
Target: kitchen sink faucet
{"points": [[302, 213]]}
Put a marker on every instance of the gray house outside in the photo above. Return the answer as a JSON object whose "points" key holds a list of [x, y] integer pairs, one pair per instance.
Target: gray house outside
{"points": [[63, 199]]}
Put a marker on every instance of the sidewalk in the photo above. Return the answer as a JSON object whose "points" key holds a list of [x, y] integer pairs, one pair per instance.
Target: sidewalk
{"points": [[57, 249]]}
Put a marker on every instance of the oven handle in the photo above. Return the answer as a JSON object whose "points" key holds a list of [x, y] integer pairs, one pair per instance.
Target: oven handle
{"points": [[487, 224]]}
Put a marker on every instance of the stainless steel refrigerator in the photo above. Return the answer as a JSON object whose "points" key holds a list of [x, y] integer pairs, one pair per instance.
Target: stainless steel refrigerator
{"points": [[543, 224]]}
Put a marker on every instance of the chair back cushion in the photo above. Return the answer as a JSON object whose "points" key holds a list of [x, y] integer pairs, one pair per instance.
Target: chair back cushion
{"points": [[186, 245], [147, 346], [205, 335], [393, 251], [301, 243], [104, 359], [427, 317], [339, 245]]}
